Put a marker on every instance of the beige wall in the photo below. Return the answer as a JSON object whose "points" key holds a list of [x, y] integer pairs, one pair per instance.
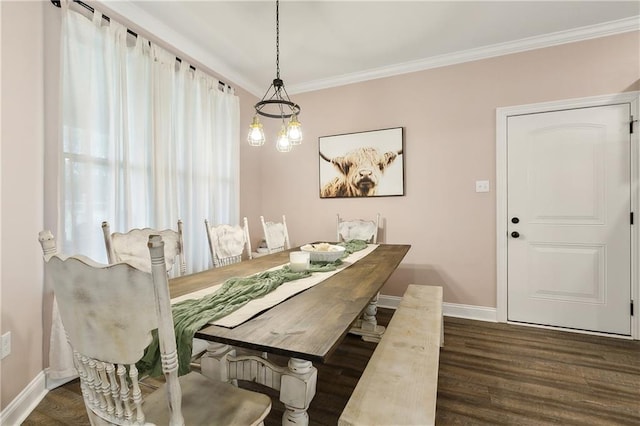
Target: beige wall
{"points": [[449, 119], [22, 193]]}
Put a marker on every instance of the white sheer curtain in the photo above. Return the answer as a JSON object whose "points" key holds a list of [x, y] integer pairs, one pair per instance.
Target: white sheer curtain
{"points": [[145, 141]]}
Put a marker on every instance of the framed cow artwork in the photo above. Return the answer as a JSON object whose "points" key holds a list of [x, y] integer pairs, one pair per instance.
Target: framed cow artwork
{"points": [[364, 164]]}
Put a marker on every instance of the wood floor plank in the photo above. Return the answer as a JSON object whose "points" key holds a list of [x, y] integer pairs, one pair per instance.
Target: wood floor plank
{"points": [[490, 374], [64, 406], [538, 376]]}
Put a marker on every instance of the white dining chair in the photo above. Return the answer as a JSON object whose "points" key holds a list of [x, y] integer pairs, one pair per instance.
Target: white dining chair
{"points": [[228, 242], [109, 313], [131, 247], [276, 235], [358, 229]]}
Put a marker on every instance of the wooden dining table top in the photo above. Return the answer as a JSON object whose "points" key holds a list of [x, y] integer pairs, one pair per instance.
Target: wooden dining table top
{"points": [[310, 324]]}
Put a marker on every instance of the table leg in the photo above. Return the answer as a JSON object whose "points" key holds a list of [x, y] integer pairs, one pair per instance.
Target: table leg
{"points": [[298, 389], [367, 326], [214, 364], [296, 382]]}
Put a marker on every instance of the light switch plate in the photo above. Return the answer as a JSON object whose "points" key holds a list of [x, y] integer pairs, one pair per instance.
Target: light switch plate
{"points": [[482, 186]]}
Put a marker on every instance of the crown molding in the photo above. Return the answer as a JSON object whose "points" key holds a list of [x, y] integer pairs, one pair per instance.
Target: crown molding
{"points": [[522, 45], [132, 15]]}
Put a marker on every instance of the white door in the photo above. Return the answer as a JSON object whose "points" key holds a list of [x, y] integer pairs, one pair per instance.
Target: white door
{"points": [[569, 208]]}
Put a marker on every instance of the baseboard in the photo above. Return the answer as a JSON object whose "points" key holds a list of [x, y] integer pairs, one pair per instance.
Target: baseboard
{"points": [[480, 313], [19, 409]]}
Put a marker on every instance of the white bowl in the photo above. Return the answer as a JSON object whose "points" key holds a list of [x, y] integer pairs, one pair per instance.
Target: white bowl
{"points": [[332, 253]]}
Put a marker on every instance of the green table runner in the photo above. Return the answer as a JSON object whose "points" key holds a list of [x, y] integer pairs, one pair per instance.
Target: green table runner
{"points": [[191, 315]]}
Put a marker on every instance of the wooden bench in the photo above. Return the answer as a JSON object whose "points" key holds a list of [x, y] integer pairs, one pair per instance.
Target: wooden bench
{"points": [[400, 383]]}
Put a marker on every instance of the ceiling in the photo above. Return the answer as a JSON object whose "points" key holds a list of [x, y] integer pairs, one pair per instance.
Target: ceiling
{"points": [[330, 43]]}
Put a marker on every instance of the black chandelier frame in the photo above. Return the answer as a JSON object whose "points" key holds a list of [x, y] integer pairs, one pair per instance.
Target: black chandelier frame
{"points": [[278, 86]]}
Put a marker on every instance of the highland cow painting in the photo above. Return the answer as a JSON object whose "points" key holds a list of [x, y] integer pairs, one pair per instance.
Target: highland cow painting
{"points": [[364, 164]]}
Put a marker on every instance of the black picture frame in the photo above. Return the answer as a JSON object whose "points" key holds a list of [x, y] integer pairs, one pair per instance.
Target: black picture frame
{"points": [[362, 164]]}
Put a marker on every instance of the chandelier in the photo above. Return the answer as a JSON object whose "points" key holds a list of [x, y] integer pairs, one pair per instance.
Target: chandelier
{"points": [[276, 104]]}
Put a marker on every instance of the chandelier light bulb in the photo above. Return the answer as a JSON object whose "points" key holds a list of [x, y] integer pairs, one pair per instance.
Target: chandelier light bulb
{"points": [[294, 131], [256, 133], [283, 144]]}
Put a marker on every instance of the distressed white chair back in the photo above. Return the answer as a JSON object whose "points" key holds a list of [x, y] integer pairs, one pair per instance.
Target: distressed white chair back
{"points": [[358, 229], [131, 247], [228, 242], [109, 312], [276, 235]]}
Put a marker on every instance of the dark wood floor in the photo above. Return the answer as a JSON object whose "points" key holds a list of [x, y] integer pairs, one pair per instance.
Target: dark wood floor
{"points": [[490, 374]]}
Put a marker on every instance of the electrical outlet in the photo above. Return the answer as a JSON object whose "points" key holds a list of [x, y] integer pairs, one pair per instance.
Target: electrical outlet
{"points": [[482, 186], [6, 344]]}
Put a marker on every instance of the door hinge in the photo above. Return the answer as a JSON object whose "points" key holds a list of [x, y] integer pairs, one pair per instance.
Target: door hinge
{"points": [[632, 308], [631, 121], [631, 217]]}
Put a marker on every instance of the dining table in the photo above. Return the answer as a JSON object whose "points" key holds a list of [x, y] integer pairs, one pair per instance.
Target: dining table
{"points": [[306, 327]]}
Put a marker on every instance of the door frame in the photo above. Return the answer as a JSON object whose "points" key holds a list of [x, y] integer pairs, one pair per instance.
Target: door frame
{"points": [[502, 114]]}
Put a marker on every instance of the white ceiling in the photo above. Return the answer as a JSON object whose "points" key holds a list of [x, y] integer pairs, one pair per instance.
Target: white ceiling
{"points": [[329, 43]]}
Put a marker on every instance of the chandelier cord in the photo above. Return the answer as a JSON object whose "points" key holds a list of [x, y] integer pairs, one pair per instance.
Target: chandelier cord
{"points": [[278, 39]]}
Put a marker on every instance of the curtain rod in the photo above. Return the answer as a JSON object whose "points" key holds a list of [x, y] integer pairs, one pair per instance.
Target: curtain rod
{"points": [[57, 3]]}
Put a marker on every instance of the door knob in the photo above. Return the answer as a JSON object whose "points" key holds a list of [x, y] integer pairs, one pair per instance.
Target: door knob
{"points": [[515, 234], [515, 220]]}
